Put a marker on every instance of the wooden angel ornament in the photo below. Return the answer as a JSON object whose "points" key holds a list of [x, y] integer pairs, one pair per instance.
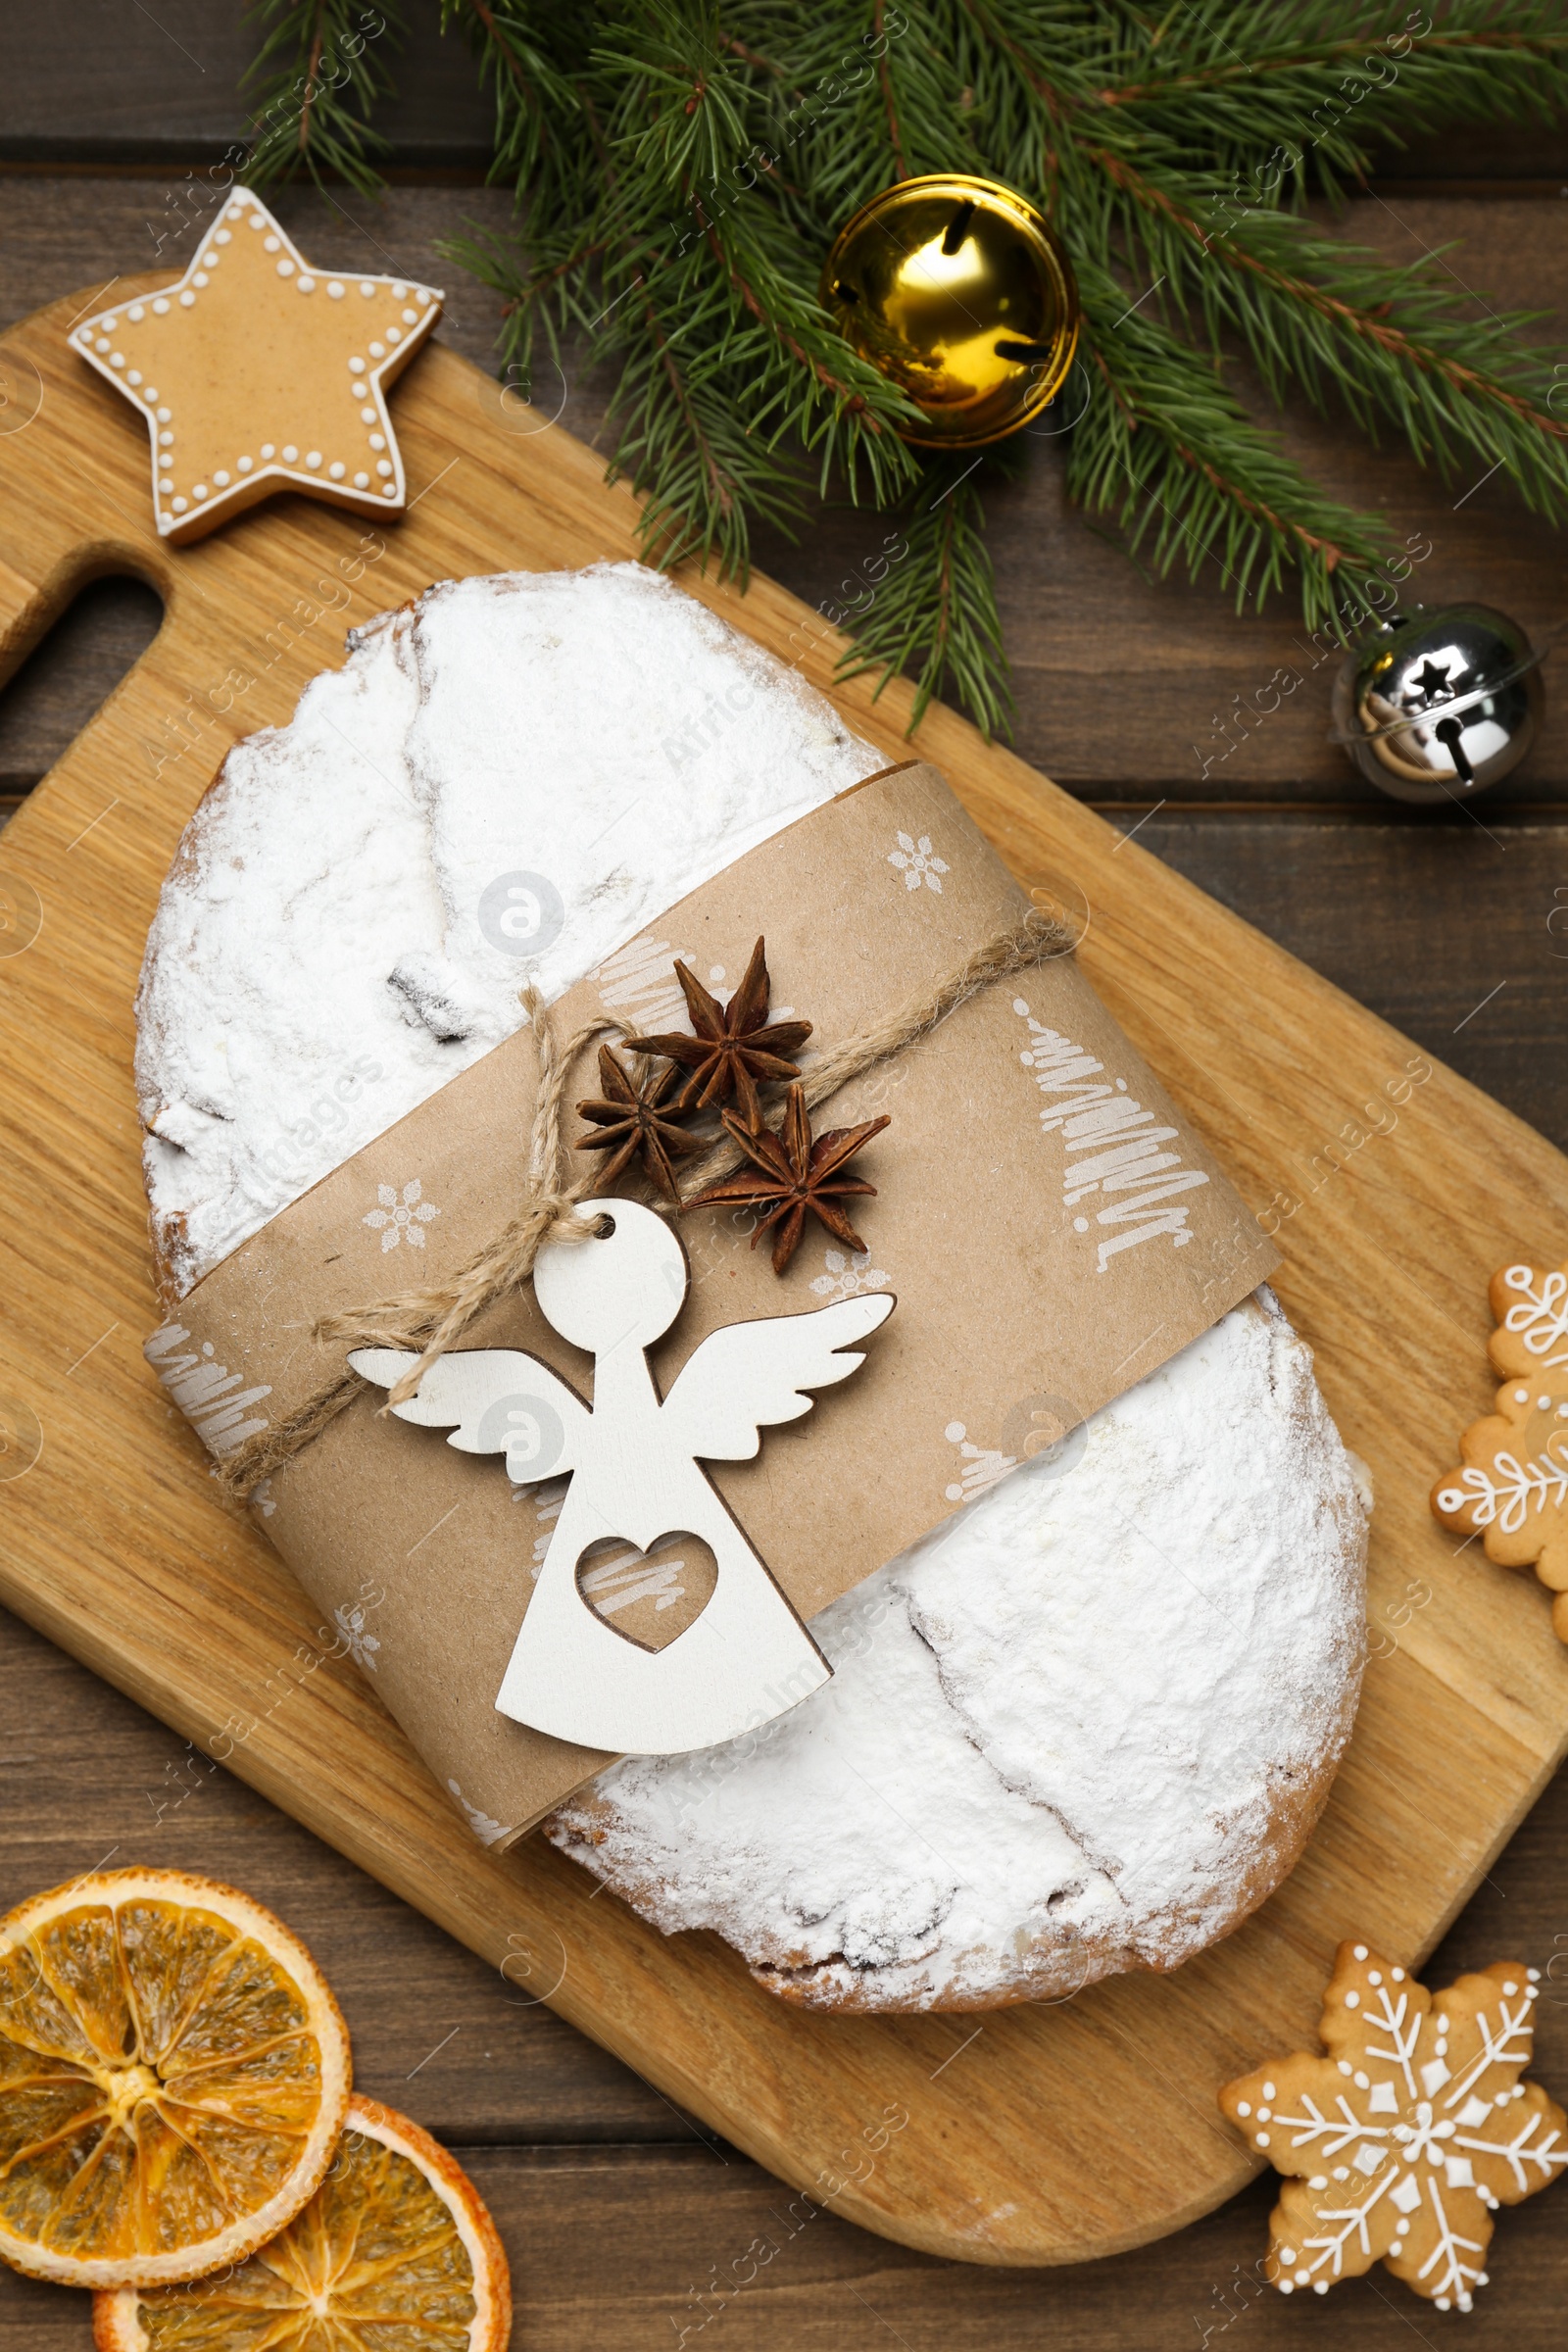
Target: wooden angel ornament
{"points": [[634, 1463]]}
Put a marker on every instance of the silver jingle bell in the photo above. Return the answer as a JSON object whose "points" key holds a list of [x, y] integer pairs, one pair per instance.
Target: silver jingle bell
{"points": [[1443, 702]]}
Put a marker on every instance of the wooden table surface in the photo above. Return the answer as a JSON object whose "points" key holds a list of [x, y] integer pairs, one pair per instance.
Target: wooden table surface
{"points": [[617, 2210]]}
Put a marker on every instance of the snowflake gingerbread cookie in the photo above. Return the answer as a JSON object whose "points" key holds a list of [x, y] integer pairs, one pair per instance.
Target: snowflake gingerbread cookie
{"points": [[1402, 2141], [1511, 1487]]}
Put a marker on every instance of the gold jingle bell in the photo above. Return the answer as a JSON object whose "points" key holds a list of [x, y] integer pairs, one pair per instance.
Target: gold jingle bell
{"points": [[955, 288]]}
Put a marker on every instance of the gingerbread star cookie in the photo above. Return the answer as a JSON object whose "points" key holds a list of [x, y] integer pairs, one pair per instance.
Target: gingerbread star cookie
{"points": [[1511, 1487], [1405, 2138], [257, 372]]}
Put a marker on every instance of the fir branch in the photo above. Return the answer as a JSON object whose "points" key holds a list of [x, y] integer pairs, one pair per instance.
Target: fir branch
{"points": [[1168, 451], [680, 449], [1264, 90], [682, 165], [533, 58], [1394, 342], [936, 605], [884, 76], [1158, 225], [317, 74]]}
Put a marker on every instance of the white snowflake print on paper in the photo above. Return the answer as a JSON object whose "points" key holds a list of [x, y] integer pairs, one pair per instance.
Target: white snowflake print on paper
{"points": [[1408, 2136], [917, 863], [979, 1466], [847, 1274], [484, 1826], [360, 1646], [401, 1220]]}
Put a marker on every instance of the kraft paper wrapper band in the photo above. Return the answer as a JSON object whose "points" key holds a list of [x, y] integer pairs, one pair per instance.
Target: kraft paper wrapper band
{"points": [[1038, 1276]]}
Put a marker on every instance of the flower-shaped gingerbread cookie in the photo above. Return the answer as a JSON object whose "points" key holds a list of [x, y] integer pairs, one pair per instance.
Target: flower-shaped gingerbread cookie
{"points": [[1403, 2141], [1511, 1487]]}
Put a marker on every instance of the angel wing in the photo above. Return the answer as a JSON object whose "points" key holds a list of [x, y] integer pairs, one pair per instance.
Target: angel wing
{"points": [[749, 1376], [494, 1400]]}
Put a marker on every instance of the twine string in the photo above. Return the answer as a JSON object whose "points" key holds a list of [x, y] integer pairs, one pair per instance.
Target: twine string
{"points": [[430, 1321]]}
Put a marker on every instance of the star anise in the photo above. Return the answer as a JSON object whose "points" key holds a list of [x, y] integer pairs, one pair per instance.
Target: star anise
{"points": [[734, 1046], [790, 1173], [636, 1120]]}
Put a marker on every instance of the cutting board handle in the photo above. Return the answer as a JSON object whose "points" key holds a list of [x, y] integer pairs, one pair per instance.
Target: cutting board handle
{"points": [[34, 599], [250, 614], [74, 503], [75, 507]]}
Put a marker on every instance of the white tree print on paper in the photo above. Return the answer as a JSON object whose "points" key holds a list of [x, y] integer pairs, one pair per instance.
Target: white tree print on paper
{"points": [[847, 1273], [1111, 1145], [484, 1826], [547, 1500], [639, 983], [402, 1221], [917, 863], [209, 1394], [1408, 2136], [979, 1466]]}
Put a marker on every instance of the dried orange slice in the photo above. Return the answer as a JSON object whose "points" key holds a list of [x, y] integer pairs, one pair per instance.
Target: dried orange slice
{"points": [[395, 2249], [174, 2076]]}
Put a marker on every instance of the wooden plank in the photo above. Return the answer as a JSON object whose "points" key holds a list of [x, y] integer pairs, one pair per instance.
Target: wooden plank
{"points": [[683, 2231], [615, 2250], [118, 1550], [619, 2253], [1456, 932], [1126, 687], [100, 82]]}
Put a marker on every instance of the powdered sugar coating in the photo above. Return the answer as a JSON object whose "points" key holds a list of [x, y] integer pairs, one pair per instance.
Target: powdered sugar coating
{"points": [[1085, 1727], [319, 965]]}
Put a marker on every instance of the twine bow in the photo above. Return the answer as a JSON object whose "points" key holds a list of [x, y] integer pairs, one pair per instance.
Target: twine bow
{"points": [[432, 1321]]}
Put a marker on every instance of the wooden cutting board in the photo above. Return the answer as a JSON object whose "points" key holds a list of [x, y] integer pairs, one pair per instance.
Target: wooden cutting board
{"points": [[1054, 2133]]}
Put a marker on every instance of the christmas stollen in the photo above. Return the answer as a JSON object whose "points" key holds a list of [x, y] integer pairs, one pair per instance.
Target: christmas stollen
{"points": [[1114, 1681]]}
